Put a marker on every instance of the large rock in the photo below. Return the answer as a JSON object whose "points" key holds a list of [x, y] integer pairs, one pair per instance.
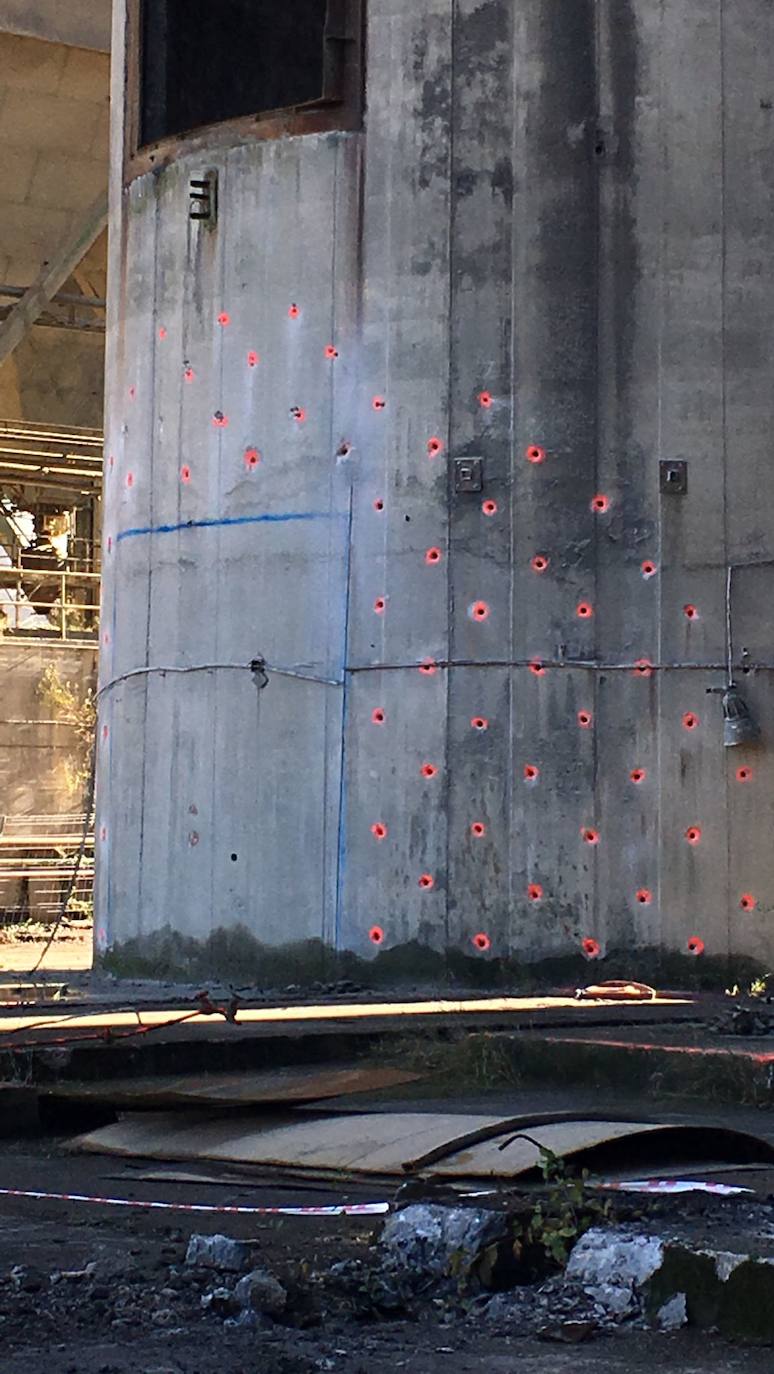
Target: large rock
{"points": [[218, 1252], [439, 1241], [615, 1266], [260, 1292]]}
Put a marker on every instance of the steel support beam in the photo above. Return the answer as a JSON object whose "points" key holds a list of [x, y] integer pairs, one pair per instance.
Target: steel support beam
{"points": [[52, 276]]}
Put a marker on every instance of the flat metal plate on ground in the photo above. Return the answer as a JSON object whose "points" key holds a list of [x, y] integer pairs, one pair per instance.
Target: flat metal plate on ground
{"points": [[391, 1145], [235, 1089]]}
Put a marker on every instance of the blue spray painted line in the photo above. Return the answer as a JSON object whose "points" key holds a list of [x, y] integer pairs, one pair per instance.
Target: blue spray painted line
{"points": [[284, 518]]}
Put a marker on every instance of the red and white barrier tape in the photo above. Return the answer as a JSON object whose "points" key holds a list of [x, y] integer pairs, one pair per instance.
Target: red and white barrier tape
{"points": [[353, 1209]]}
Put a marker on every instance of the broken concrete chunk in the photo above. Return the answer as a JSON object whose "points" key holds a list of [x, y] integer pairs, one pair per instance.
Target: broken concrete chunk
{"points": [[437, 1240], [619, 1258], [261, 1292], [673, 1314], [220, 1301], [218, 1252]]}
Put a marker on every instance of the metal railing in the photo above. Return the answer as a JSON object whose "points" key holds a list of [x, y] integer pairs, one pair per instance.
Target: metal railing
{"points": [[37, 857], [49, 603]]}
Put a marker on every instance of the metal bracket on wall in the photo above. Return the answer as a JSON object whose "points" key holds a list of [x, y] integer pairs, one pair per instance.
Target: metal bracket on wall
{"points": [[468, 474], [673, 477], [203, 193]]}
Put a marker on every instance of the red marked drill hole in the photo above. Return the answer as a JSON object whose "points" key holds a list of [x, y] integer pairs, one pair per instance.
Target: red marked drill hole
{"points": [[299, 414], [584, 610], [193, 839], [224, 318], [379, 831], [695, 946], [380, 605], [539, 563], [379, 504], [693, 834], [293, 311], [690, 612], [531, 773], [434, 447], [535, 892], [162, 333], [747, 902], [478, 830], [591, 948], [130, 479], [111, 461], [428, 668], [132, 393], [590, 836], [600, 504], [433, 556], [252, 457], [378, 403], [376, 935], [479, 611], [643, 668], [105, 732], [110, 543], [479, 723], [331, 352], [485, 399], [106, 637], [644, 896], [481, 942], [252, 359], [185, 473], [535, 454], [638, 775], [426, 882], [428, 770], [103, 833], [489, 507], [219, 420], [378, 716], [690, 721], [649, 569], [536, 668], [585, 720], [744, 774], [189, 374]]}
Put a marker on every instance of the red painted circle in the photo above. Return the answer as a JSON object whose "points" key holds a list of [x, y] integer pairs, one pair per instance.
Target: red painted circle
{"points": [[590, 836], [252, 457], [378, 403], [478, 830], [539, 563], [224, 318], [536, 668], [380, 605], [162, 333], [105, 732], [584, 610], [481, 942], [376, 935], [535, 454], [690, 612], [252, 359], [378, 716], [299, 414], [189, 374], [690, 721], [433, 556], [638, 775], [293, 312], [744, 774], [644, 896], [489, 507], [429, 770], [428, 668], [111, 461], [649, 569], [531, 772], [535, 892], [693, 834], [695, 946], [591, 948], [132, 393], [485, 399], [480, 723], [747, 902], [331, 352], [379, 830], [600, 503], [378, 504], [185, 473], [426, 882], [434, 446], [479, 610], [643, 668], [130, 479], [110, 543], [585, 720], [220, 420]]}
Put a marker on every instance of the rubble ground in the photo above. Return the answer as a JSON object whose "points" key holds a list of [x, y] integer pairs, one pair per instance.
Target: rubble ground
{"points": [[96, 1290]]}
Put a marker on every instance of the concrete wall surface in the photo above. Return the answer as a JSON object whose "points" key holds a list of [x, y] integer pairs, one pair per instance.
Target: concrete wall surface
{"points": [[487, 734]]}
